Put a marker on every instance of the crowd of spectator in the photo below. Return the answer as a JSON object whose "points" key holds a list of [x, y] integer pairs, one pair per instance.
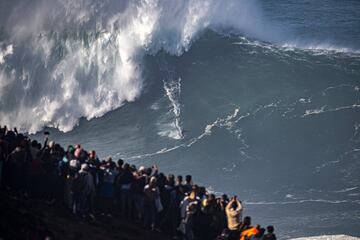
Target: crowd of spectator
{"points": [[90, 187]]}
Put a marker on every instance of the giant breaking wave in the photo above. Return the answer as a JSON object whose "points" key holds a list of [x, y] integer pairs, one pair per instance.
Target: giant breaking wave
{"points": [[63, 60]]}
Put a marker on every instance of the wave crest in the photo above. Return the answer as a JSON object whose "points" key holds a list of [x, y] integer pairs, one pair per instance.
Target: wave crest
{"points": [[83, 59]]}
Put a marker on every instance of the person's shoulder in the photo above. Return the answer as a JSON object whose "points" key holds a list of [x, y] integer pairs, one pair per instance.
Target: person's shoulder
{"points": [[269, 236]]}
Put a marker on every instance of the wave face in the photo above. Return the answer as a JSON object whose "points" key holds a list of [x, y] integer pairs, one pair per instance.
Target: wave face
{"points": [[258, 99], [62, 60]]}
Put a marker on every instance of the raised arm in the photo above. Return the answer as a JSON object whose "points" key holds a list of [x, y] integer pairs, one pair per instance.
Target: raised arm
{"points": [[239, 205]]}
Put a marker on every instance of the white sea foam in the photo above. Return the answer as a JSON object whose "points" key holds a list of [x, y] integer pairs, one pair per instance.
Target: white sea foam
{"points": [[328, 237], [304, 201], [228, 122], [5, 51], [290, 46], [218, 123], [85, 58], [346, 190], [319, 48], [324, 109], [173, 91]]}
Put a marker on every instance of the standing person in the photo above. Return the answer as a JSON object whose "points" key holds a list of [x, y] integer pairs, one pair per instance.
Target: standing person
{"points": [[126, 181], [234, 215], [188, 186], [88, 192], [188, 221], [107, 187], [138, 191], [94, 165], [151, 192], [2, 159], [16, 162], [187, 200]]}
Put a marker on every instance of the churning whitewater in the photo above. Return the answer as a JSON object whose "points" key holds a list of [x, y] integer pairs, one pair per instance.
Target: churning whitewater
{"points": [[63, 60], [255, 98]]}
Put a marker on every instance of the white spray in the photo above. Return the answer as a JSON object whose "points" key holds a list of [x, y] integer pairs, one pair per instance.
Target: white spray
{"points": [[62, 60]]}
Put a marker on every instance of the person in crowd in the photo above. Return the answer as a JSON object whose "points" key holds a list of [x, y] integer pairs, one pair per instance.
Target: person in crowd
{"points": [[17, 163], [151, 192], [87, 192], [179, 181], [258, 236], [185, 203], [222, 202], [109, 173], [270, 233], [126, 181], [78, 185], [2, 159], [140, 180], [188, 184], [246, 223], [224, 235], [234, 215], [251, 232], [188, 221], [36, 176]]}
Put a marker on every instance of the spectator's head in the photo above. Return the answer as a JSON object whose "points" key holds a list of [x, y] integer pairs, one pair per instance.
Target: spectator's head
{"points": [[188, 179], [152, 181], [247, 220], [192, 207], [92, 154], [126, 167], [77, 152], [270, 229], [179, 179], [170, 180], [192, 195], [71, 149], [120, 163], [51, 144], [142, 169], [34, 144]]}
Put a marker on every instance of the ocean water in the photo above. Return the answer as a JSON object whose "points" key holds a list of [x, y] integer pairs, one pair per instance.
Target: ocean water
{"points": [[255, 98]]}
